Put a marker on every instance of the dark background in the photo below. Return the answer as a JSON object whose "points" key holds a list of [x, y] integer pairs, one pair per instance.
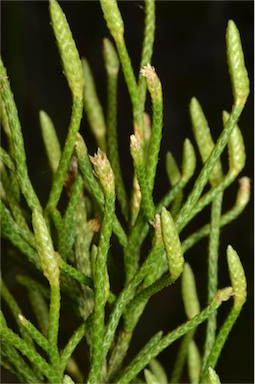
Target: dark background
{"points": [[189, 57]]}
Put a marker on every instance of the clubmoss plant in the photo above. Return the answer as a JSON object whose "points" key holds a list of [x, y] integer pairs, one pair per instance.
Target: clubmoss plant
{"points": [[66, 251]]}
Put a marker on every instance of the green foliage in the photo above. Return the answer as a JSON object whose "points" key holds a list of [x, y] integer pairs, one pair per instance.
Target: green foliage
{"points": [[67, 253]]}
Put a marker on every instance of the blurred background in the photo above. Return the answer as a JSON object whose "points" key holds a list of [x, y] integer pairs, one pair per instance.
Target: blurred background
{"points": [[189, 57]]}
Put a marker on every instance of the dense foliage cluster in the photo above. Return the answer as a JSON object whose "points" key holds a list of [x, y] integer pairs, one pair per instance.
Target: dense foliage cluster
{"points": [[66, 253]]}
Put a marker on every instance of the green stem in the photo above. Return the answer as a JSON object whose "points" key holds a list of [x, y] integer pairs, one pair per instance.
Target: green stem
{"points": [[35, 358], [101, 277], [184, 215], [140, 230], [147, 50], [181, 357], [139, 165], [141, 360], [131, 83], [133, 312], [36, 335], [155, 141], [151, 290], [17, 140], [225, 219], [170, 196], [6, 159], [206, 199], [22, 370], [54, 315], [112, 141], [118, 353], [40, 309], [213, 272], [72, 343], [59, 177], [85, 167], [219, 343], [51, 142], [93, 108], [15, 309], [11, 231], [24, 233], [121, 302], [66, 238], [131, 251], [75, 274]]}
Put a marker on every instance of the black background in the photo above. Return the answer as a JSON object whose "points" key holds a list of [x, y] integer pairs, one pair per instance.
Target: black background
{"points": [[189, 57]]}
